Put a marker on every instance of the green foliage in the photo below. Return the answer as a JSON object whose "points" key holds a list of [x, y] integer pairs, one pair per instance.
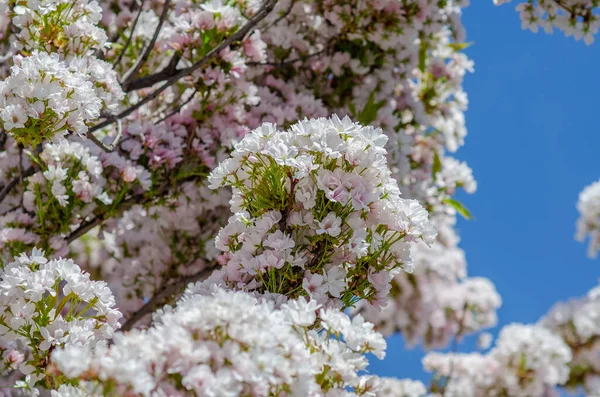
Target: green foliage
{"points": [[459, 207], [369, 113]]}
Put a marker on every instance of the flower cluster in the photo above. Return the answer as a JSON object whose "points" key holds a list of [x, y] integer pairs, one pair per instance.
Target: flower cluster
{"points": [[56, 84], [588, 224], [577, 18], [578, 323], [226, 343], [316, 213], [47, 304], [400, 66], [189, 32], [104, 81], [318, 224], [392, 387], [10, 355], [393, 64], [17, 234], [67, 188], [528, 360], [65, 27], [70, 172], [438, 301], [146, 153], [43, 97]]}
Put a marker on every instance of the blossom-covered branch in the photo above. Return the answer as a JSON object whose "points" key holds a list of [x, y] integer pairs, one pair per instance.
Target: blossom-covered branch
{"points": [[577, 18]]}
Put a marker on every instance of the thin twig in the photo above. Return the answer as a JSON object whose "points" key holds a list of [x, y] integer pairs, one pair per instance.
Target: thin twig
{"points": [[178, 107], [115, 141], [99, 143], [112, 39], [125, 204], [455, 349], [164, 293], [6, 57], [128, 42], [288, 62], [111, 146], [131, 73], [282, 16], [21, 174], [14, 182]]}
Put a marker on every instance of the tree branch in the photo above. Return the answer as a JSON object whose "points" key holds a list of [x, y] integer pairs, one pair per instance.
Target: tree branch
{"points": [[84, 228], [289, 61], [141, 60], [14, 182], [128, 42], [178, 107], [455, 349], [125, 204], [283, 15], [260, 15], [175, 75], [149, 81], [164, 293], [111, 146]]}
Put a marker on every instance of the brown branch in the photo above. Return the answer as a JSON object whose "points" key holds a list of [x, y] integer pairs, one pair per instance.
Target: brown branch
{"points": [[98, 219], [128, 42], [180, 73], [149, 81], [178, 107], [111, 146], [131, 73], [282, 16], [290, 61], [165, 293], [455, 349], [84, 228], [14, 182], [98, 142], [125, 204], [260, 15]]}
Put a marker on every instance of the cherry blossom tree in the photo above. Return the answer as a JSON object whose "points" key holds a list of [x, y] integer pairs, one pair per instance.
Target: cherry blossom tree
{"points": [[244, 197]]}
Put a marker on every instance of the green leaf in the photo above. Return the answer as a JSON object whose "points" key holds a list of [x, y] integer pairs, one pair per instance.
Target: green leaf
{"points": [[437, 165], [369, 113], [459, 207], [460, 46]]}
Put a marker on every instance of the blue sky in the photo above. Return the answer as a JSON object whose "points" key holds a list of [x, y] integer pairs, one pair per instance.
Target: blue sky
{"points": [[533, 145]]}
